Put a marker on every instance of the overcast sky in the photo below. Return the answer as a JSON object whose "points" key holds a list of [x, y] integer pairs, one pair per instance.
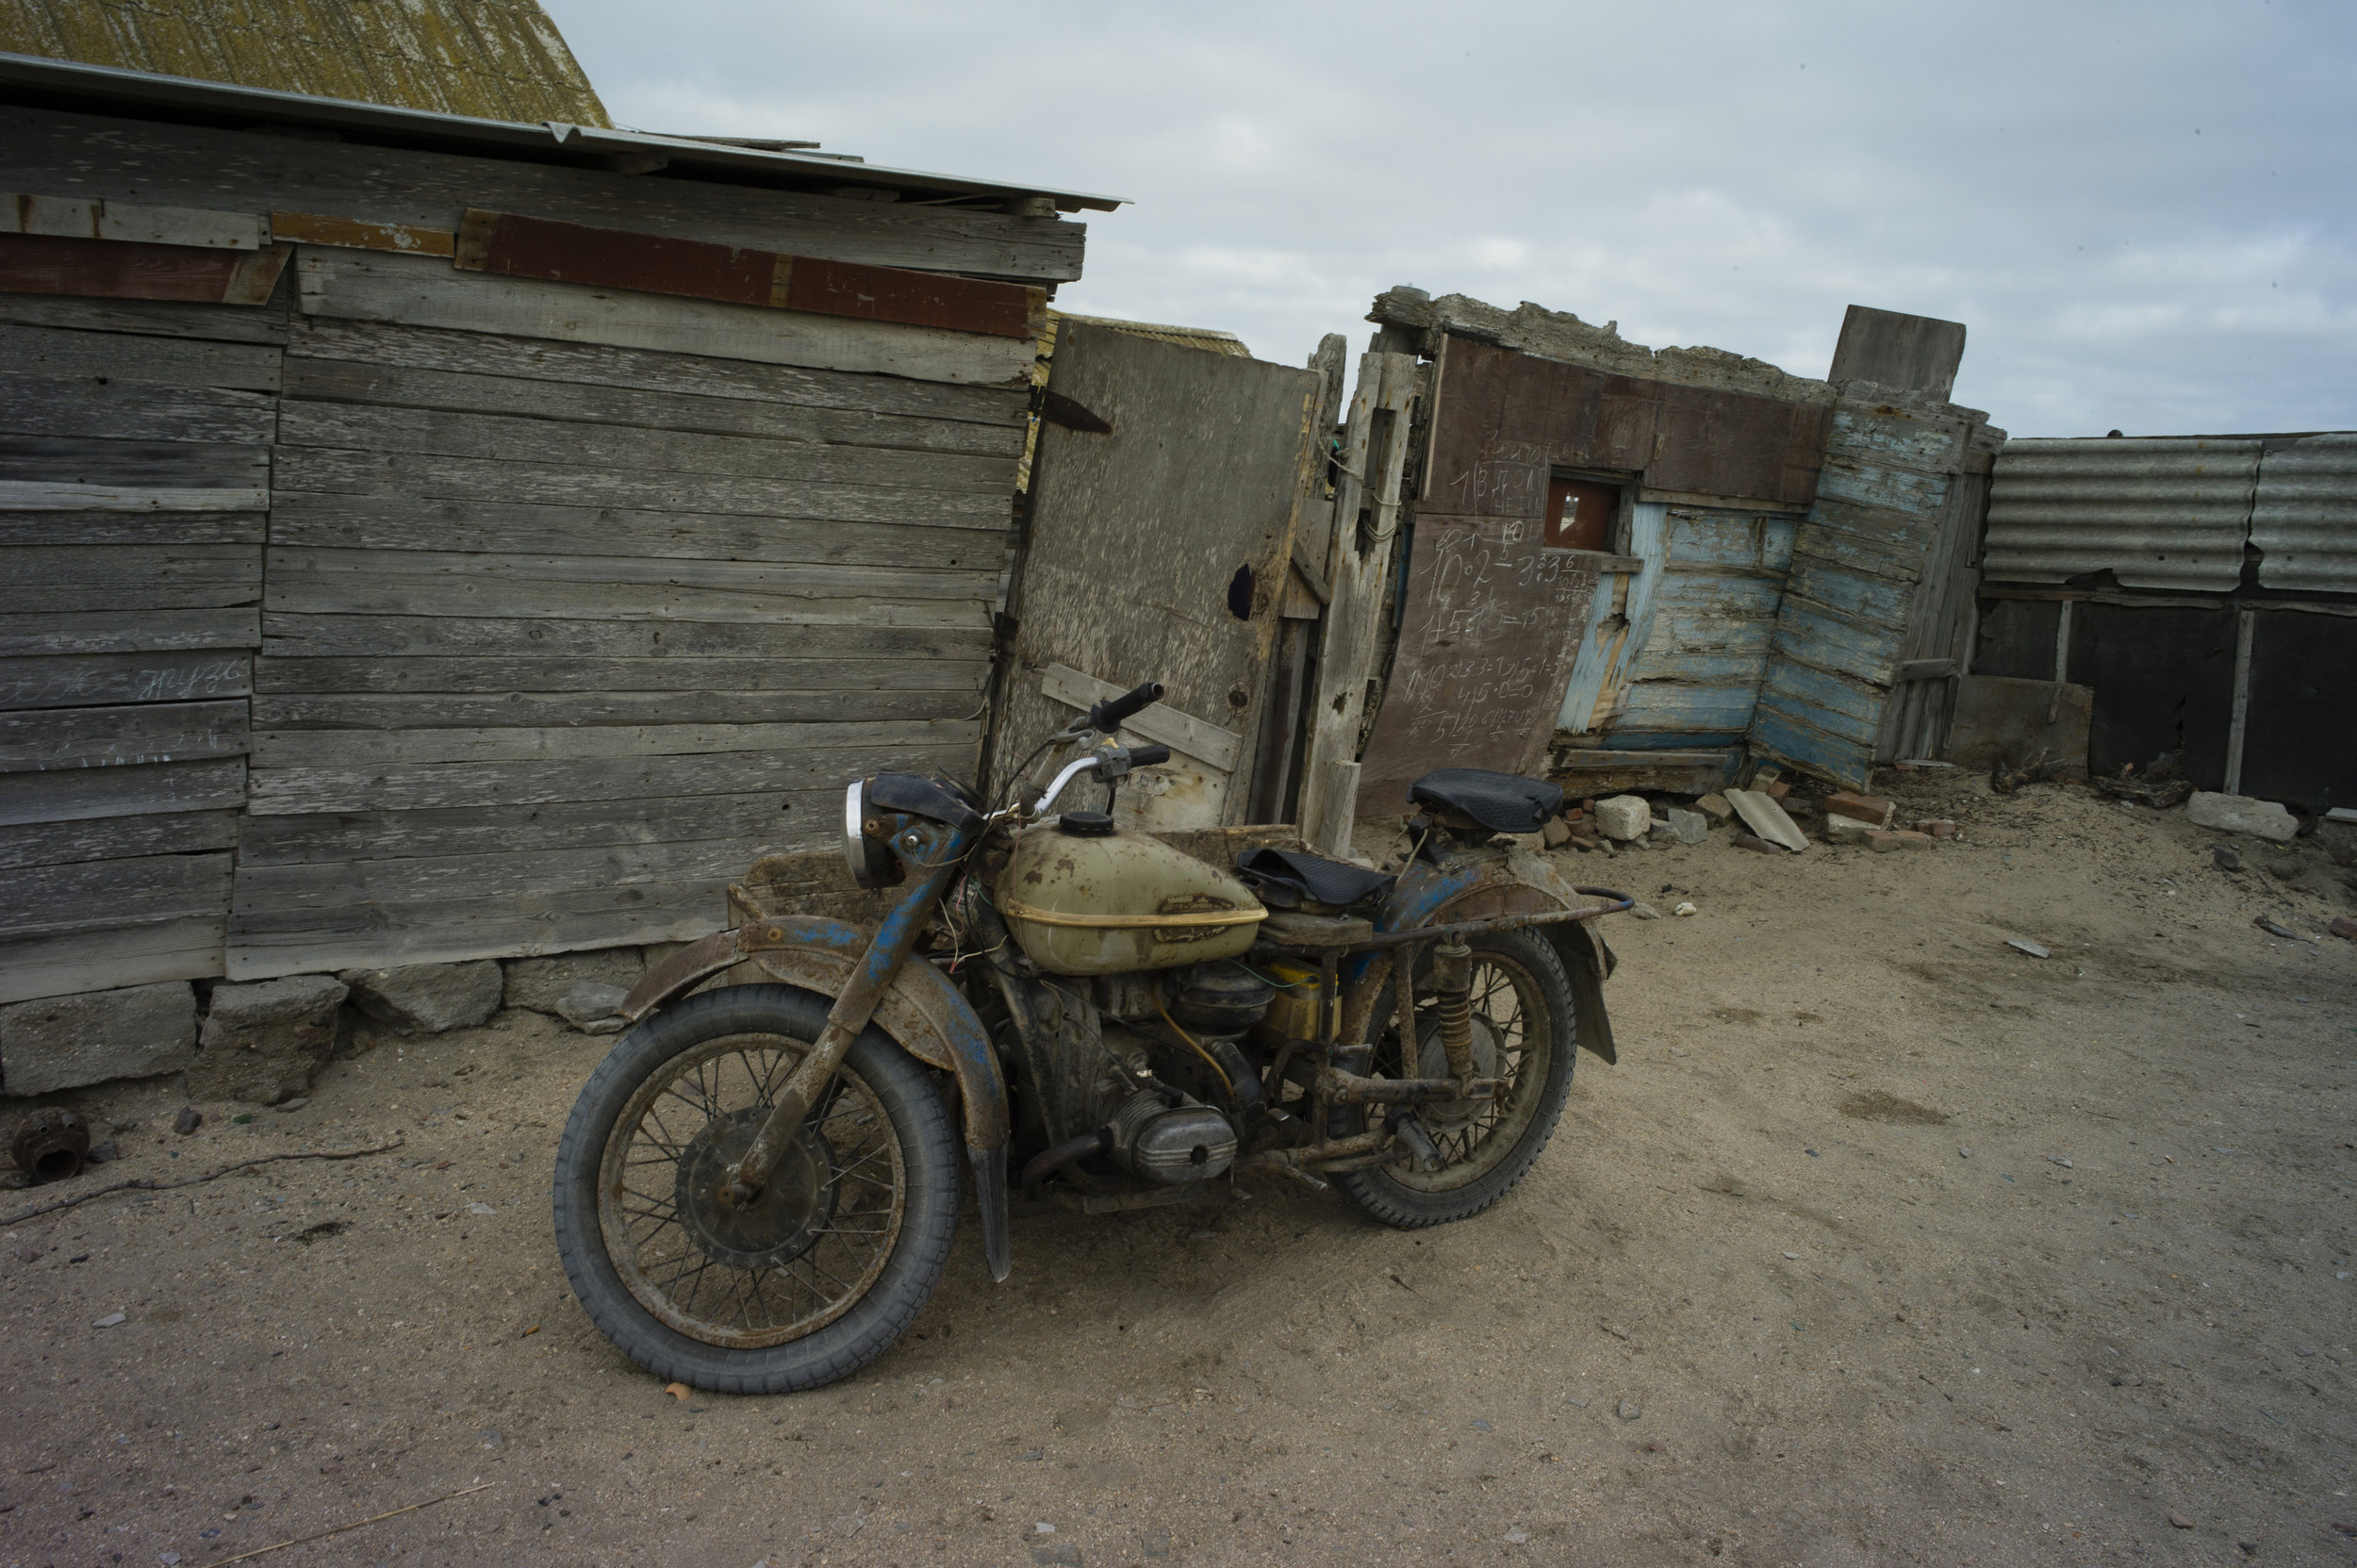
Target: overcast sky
{"points": [[2142, 212]]}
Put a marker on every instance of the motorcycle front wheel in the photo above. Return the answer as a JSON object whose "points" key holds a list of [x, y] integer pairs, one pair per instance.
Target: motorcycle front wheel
{"points": [[813, 1278], [1526, 1034]]}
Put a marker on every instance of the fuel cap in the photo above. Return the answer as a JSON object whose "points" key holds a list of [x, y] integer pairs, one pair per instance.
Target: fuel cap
{"points": [[1085, 824]]}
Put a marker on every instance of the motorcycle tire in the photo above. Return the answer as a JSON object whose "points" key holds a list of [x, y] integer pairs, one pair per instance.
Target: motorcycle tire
{"points": [[1409, 1200], [894, 1106]]}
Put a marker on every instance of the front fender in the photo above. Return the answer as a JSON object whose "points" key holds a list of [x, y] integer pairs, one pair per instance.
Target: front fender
{"points": [[921, 1010]]}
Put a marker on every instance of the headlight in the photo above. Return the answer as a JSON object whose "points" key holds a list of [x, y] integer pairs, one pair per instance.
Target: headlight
{"points": [[871, 863]]}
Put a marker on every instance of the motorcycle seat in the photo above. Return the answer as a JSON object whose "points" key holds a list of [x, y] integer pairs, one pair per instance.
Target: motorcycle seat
{"points": [[1502, 802], [1295, 879]]}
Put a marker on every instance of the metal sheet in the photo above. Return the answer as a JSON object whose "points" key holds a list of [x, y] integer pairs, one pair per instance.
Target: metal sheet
{"points": [[2163, 512], [82, 86], [2305, 520]]}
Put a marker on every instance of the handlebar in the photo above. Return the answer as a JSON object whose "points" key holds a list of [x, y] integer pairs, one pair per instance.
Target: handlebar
{"points": [[1106, 716], [1147, 757]]}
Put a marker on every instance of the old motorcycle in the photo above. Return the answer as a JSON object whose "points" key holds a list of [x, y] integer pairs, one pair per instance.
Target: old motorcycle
{"points": [[757, 1189]]}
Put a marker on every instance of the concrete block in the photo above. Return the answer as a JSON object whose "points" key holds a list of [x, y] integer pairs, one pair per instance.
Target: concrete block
{"points": [[589, 1003], [1691, 827], [65, 1042], [542, 984], [427, 998], [2241, 814], [1624, 818], [262, 1042], [1872, 810], [1846, 830]]}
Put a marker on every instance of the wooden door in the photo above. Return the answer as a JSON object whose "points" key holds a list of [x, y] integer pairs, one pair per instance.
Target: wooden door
{"points": [[1164, 502]]}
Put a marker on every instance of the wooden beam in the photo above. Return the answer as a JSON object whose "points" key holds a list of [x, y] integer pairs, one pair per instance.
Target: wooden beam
{"points": [[1182, 732], [103, 269]]}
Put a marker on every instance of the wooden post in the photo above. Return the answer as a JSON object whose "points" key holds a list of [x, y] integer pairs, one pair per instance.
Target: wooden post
{"points": [[1366, 519], [1340, 779], [2246, 620]]}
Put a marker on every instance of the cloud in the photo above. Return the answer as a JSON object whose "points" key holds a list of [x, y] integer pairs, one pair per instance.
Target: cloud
{"points": [[2141, 211]]}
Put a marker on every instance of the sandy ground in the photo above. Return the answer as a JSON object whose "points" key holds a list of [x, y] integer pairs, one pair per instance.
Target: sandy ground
{"points": [[1755, 1304]]}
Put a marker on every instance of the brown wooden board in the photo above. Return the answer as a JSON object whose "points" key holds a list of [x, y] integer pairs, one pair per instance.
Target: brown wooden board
{"points": [[517, 246], [109, 269], [1506, 419], [1484, 653], [1159, 552]]}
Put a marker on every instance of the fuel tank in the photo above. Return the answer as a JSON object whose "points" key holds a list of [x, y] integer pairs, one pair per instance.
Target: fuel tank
{"points": [[1084, 899]]}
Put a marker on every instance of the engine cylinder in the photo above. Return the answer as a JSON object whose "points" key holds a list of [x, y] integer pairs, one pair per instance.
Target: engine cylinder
{"points": [[1170, 1143]]}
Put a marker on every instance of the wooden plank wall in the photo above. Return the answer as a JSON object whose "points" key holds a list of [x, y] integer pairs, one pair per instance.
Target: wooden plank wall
{"points": [[553, 628], [134, 486], [1698, 667], [1841, 629], [529, 604]]}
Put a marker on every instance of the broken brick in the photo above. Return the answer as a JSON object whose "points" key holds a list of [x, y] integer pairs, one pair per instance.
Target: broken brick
{"points": [[1939, 827], [2344, 927], [1872, 810], [1884, 840]]}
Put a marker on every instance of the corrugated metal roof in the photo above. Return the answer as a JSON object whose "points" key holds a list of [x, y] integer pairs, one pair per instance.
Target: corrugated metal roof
{"points": [[498, 60], [2162, 512], [2305, 520], [65, 82]]}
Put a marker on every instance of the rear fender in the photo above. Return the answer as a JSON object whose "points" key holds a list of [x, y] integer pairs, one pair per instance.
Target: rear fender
{"points": [[921, 1010], [1524, 884]]}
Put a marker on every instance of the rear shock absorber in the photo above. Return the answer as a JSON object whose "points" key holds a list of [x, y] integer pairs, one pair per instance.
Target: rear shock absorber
{"points": [[1452, 986]]}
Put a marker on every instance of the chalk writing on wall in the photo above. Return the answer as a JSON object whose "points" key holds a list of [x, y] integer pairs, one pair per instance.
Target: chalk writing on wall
{"points": [[1484, 647]]}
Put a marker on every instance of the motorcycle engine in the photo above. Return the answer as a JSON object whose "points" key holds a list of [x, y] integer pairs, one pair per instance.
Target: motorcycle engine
{"points": [[1167, 1143]]}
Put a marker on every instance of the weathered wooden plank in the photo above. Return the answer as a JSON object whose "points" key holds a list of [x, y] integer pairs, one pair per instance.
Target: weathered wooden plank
{"points": [[154, 530], [62, 353], [265, 325], [35, 495], [104, 269], [312, 228], [512, 245], [113, 577], [321, 748], [432, 786], [695, 381], [118, 837], [99, 680], [303, 941], [1789, 736], [405, 636], [419, 292], [39, 739], [74, 794], [520, 708], [368, 522], [1842, 706], [432, 433], [145, 465], [448, 392], [106, 895], [435, 478], [549, 825], [1685, 707], [106, 218], [1900, 493], [183, 164], [86, 406], [1818, 635], [327, 582], [786, 680], [1595, 770], [1855, 593], [101, 961], [128, 631], [1197, 737], [328, 885]]}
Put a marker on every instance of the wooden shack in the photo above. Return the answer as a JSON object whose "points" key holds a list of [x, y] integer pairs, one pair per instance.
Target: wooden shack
{"points": [[426, 537]]}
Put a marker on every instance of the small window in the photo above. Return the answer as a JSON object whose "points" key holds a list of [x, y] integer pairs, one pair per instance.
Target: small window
{"points": [[1581, 514]]}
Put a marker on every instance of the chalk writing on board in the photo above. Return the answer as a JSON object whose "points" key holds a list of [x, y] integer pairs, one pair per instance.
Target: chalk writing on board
{"points": [[1480, 668]]}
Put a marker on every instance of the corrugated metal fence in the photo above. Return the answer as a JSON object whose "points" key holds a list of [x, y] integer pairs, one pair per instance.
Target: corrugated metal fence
{"points": [[2175, 512]]}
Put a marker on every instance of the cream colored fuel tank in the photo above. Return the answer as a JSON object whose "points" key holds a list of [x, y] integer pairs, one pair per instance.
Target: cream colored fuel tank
{"points": [[1109, 902]]}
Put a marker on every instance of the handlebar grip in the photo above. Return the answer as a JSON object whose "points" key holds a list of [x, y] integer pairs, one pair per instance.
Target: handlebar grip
{"points": [[1107, 716], [1147, 757]]}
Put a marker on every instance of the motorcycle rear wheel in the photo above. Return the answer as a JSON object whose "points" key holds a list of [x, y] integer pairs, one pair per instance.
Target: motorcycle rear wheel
{"points": [[814, 1279], [1523, 996]]}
